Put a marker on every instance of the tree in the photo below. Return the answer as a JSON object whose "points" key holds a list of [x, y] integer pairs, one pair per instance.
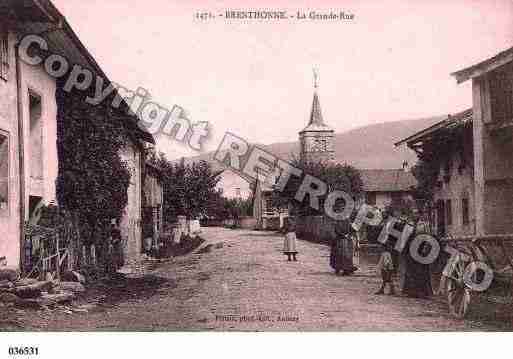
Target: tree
{"points": [[337, 177], [189, 190]]}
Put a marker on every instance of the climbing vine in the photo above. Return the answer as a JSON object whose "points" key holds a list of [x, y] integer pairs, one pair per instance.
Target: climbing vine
{"points": [[93, 180]]}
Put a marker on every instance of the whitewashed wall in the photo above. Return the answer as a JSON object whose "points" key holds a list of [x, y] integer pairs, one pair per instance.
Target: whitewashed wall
{"points": [[10, 216]]}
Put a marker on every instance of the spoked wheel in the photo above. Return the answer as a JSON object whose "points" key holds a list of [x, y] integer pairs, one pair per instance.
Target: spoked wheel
{"points": [[458, 294]]}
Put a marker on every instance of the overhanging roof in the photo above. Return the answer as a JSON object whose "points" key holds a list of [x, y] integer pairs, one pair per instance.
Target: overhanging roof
{"points": [[452, 121], [485, 66], [43, 18], [26, 10]]}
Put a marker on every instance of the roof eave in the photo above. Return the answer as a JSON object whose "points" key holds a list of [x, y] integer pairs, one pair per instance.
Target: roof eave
{"points": [[484, 67], [421, 135], [68, 30], [417, 136]]}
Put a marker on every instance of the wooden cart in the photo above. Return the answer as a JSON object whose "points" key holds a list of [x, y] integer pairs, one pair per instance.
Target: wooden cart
{"points": [[496, 251]]}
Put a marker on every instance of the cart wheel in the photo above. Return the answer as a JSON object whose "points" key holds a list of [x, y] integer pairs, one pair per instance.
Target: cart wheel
{"points": [[458, 294]]}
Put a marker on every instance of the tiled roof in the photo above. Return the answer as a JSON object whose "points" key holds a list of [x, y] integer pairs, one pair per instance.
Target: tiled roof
{"points": [[451, 122], [316, 123], [379, 180]]}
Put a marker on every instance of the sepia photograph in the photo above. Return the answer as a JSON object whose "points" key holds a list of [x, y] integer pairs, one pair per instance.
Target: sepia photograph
{"points": [[254, 166]]}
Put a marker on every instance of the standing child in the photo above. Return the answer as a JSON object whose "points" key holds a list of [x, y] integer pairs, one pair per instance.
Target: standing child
{"points": [[386, 266], [290, 243]]}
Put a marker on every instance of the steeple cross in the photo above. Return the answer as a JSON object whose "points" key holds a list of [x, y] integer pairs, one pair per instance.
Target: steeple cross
{"points": [[316, 77]]}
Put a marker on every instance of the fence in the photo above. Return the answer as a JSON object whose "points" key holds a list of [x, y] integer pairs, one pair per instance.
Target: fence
{"points": [[50, 250], [319, 229]]}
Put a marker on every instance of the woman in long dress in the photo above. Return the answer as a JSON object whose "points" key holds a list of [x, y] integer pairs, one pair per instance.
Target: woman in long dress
{"points": [[416, 276], [341, 254]]}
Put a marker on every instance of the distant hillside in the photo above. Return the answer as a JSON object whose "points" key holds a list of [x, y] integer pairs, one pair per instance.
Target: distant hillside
{"points": [[365, 147]]}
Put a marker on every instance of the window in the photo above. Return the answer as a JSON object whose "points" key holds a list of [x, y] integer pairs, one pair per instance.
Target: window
{"points": [[36, 137], [465, 211], [370, 198], [448, 209], [4, 173], [4, 53]]}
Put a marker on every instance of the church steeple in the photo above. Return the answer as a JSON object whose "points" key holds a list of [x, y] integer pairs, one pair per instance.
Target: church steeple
{"points": [[316, 138], [316, 122], [316, 113]]}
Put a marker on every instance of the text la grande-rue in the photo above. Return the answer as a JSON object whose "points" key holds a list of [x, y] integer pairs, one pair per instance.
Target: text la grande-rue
{"points": [[331, 15]]}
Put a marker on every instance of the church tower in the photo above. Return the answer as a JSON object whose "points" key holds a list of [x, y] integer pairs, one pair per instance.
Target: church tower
{"points": [[317, 138]]}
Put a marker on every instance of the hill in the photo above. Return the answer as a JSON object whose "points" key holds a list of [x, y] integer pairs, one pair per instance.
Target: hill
{"points": [[364, 147], [368, 147]]}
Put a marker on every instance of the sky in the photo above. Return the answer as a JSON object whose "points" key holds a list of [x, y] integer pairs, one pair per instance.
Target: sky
{"points": [[254, 79]]}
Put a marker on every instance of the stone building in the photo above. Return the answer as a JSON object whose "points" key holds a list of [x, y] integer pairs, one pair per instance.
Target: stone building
{"points": [[471, 152], [29, 163]]}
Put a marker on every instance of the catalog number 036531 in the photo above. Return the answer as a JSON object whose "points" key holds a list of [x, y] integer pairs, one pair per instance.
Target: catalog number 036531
{"points": [[23, 351]]}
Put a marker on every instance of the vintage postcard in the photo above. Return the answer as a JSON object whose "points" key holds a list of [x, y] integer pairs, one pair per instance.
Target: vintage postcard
{"points": [[242, 166]]}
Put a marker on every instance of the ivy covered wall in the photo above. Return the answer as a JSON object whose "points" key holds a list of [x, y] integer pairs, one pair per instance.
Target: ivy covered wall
{"points": [[92, 179]]}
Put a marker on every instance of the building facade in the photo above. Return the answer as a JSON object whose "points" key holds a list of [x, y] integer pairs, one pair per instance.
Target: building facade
{"points": [[470, 154], [29, 162], [447, 150], [492, 104], [234, 186]]}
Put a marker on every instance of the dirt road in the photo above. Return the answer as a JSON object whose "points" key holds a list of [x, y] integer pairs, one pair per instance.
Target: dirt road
{"points": [[239, 280]]}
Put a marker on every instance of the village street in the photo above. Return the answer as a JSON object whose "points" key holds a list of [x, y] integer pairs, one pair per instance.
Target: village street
{"points": [[239, 280]]}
